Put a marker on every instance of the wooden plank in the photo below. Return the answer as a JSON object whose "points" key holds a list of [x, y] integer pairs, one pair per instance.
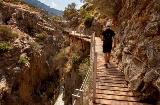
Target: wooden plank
{"points": [[111, 81], [113, 85], [115, 97], [109, 78], [112, 88], [118, 93], [115, 71], [110, 75], [115, 102]]}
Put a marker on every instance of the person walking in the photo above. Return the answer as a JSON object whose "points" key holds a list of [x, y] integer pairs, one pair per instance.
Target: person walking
{"points": [[108, 37]]}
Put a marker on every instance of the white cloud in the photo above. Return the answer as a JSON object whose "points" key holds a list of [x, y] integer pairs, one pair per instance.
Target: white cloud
{"points": [[53, 5]]}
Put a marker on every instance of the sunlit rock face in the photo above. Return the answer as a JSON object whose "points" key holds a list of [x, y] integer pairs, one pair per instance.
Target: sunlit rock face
{"points": [[138, 48], [27, 74], [27, 20]]}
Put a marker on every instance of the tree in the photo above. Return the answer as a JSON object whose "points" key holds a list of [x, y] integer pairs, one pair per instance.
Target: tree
{"points": [[70, 11]]}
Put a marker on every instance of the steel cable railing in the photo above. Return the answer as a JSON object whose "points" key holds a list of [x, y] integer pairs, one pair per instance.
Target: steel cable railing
{"points": [[77, 98]]}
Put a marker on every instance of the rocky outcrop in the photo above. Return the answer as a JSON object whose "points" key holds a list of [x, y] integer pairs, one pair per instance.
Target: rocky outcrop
{"points": [[21, 17], [137, 53], [27, 74]]}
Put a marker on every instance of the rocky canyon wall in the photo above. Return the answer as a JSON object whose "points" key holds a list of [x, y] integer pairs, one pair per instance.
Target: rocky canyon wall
{"points": [[137, 53], [27, 74]]}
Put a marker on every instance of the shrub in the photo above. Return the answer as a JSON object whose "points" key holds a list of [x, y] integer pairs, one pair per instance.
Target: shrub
{"points": [[4, 47], [75, 59], [84, 67], [35, 46], [88, 21], [6, 33], [42, 36], [83, 13], [60, 59], [90, 12], [22, 60]]}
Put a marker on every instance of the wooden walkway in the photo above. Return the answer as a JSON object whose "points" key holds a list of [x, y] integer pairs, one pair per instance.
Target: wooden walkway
{"points": [[111, 88]]}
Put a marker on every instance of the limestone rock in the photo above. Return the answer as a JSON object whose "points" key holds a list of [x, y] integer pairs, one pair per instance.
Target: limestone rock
{"points": [[26, 68], [138, 40]]}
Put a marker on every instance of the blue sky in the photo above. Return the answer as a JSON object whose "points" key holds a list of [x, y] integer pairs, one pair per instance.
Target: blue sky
{"points": [[61, 4]]}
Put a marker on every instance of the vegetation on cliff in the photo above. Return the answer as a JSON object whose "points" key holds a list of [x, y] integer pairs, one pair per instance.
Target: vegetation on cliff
{"points": [[29, 40]]}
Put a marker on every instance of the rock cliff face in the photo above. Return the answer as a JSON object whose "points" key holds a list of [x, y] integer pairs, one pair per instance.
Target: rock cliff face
{"points": [[28, 21], [27, 74], [138, 50]]}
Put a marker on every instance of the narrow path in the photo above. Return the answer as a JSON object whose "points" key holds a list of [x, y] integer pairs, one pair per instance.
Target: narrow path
{"points": [[111, 88]]}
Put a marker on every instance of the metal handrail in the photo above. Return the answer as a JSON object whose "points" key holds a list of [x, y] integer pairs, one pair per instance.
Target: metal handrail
{"points": [[77, 99]]}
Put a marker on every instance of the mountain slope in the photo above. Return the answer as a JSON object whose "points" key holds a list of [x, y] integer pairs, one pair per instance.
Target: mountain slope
{"points": [[37, 3]]}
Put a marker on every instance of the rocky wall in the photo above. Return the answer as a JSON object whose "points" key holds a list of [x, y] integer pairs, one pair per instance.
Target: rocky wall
{"points": [[27, 74], [29, 21], [138, 47]]}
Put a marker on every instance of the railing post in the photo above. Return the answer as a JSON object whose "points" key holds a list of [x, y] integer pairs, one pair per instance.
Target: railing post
{"points": [[91, 45], [81, 96], [94, 48], [94, 76], [75, 99]]}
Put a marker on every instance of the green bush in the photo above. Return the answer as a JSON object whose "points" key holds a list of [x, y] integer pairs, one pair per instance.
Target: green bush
{"points": [[83, 13], [6, 33], [42, 36], [88, 21], [4, 47], [84, 67], [75, 60], [22, 60], [35, 46], [60, 59]]}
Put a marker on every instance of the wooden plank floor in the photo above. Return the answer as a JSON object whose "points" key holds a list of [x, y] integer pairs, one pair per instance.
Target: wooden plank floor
{"points": [[111, 88]]}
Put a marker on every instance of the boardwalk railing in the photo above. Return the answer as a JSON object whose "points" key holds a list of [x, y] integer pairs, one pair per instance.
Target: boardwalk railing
{"points": [[70, 30], [77, 98]]}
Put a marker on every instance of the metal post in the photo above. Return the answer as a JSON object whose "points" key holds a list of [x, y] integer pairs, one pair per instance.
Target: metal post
{"points": [[75, 99], [94, 44], [91, 50], [94, 76], [78, 100], [81, 96], [80, 93]]}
